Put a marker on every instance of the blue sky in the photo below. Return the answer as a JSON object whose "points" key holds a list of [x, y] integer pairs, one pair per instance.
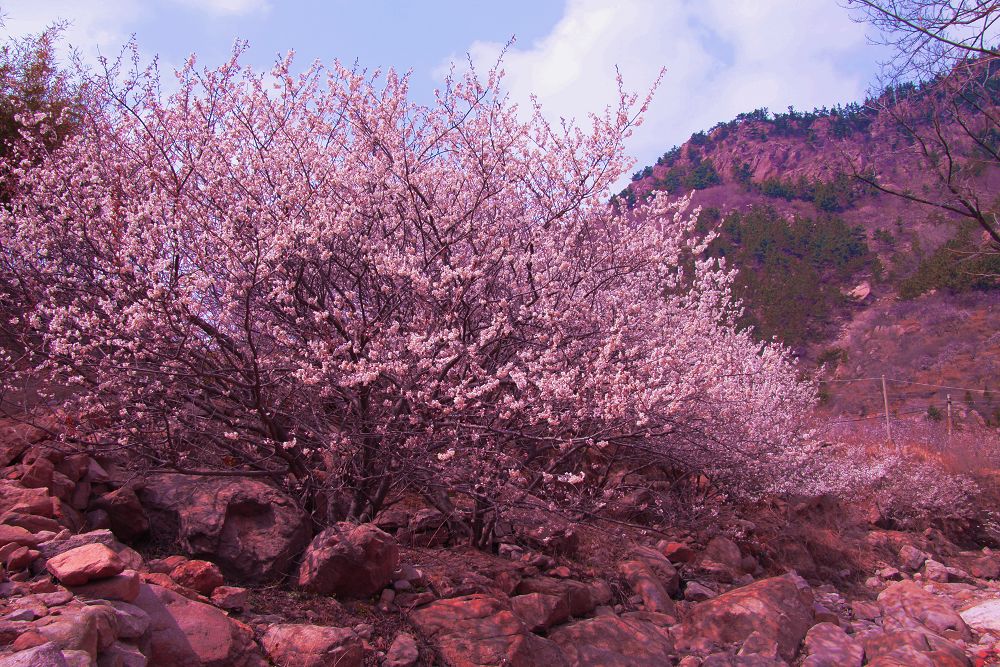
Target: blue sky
{"points": [[722, 56]]}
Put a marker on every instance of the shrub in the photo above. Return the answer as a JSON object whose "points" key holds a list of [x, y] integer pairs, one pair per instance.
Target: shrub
{"points": [[311, 277]]}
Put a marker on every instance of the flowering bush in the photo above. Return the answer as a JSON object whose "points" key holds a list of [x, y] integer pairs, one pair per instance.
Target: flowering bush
{"points": [[310, 277]]}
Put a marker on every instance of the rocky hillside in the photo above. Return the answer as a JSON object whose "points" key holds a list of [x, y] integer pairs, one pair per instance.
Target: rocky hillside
{"points": [[102, 568], [862, 281]]}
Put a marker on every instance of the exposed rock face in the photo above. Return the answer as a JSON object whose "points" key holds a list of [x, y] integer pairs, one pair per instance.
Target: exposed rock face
{"points": [[349, 560], [907, 606], [251, 529], [481, 630], [779, 608], [185, 632], [293, 645], [613, 641], [984, 616]]}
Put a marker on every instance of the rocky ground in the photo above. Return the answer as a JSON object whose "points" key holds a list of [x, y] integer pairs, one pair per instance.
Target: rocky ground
{"points": [[227, 571]]}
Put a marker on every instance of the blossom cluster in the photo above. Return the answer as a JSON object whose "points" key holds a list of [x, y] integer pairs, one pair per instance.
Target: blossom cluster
{"points": [[311, 275]]}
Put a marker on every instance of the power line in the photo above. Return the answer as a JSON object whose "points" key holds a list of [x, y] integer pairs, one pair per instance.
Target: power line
{"points": [[911, 382]]}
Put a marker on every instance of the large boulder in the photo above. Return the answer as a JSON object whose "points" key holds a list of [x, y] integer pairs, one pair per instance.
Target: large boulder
{"points": [[349, 560], [907, 606], [480, 631], [779, 608], [82, 564], [613, 641], [295, 645], [44, 655], [984, 616], [249, 528], [16, 498], [581, 598], [189, 633]]}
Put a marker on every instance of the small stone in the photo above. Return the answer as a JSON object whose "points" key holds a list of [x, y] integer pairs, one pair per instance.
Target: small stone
{"points": [[21, 558], [911, 557], [935, 571], [696, 592], [403, 652]]}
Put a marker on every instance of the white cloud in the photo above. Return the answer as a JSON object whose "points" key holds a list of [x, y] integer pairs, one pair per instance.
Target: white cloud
{"points": [[722, 57], [92, 27], [227, 7]]}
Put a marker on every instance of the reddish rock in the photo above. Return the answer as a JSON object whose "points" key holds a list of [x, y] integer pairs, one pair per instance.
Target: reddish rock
{"points": [[198, 575], [164, 581], [17, 535], [44, 655], [403, 652], [128, 518], [647, 586], [78, 566], [133, 622], [16, 498], [481, 630], [348, 560], [61, 486], [64, 513], [661, 568], [124, 587], [185, 632], [249, 528], [579, 597], [124, 654], [87, 629], [30, 522], [540, 611], [911, 648], [166, 565], [74, 466], [723, 551], [29, 639], [977, 564], [613, 641], [779, 608], [20, 558], [676, 552], [907, 606], [294, 645], [38, 474], [230, 598], [826, 645]]}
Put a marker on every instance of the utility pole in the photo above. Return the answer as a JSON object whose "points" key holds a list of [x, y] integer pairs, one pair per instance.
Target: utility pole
{"points": [[949, 416], [885, 402]]}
